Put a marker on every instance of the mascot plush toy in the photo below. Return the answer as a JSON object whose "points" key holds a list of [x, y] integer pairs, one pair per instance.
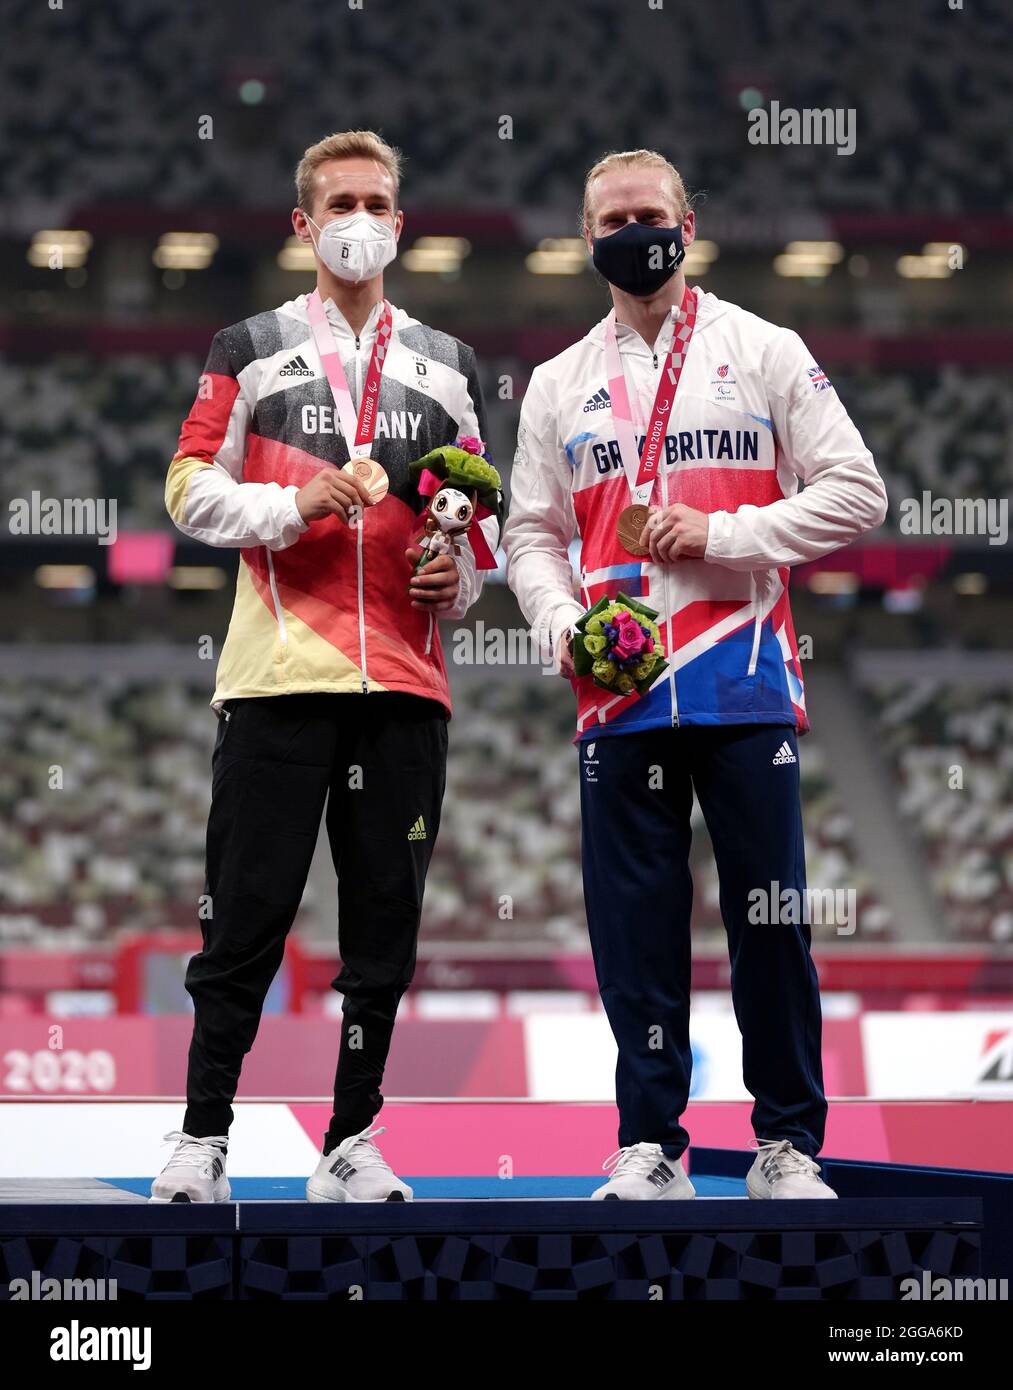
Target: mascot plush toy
{"points": [[450, 515], [462, 486]]}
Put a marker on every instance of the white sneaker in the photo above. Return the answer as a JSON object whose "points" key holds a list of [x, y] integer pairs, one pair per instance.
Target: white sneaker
{"points": [[356, 1171], [781, 1171], [195, 1172], [642, 1172]]}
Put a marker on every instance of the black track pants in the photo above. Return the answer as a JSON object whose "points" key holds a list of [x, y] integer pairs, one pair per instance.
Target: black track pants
{"points": [[382, 759]]}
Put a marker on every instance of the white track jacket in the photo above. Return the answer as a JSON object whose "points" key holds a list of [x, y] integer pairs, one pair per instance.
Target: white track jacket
{"points": [[753, 418]]}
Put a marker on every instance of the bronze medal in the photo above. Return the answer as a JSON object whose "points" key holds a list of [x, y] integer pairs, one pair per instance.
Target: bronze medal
{"points": [[370, 474], [632, 521]]}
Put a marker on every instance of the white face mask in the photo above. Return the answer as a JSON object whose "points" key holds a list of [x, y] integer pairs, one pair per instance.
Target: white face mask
{"points": [[356, 247]]}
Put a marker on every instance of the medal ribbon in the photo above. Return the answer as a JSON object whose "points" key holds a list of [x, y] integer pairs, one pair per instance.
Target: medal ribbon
{"points": [[358, 430], [641, 474]]}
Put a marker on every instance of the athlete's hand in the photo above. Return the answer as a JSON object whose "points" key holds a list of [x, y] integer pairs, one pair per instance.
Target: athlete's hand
{"points": [[675, 533], [564, 655], [331, 493], [436, 585]]}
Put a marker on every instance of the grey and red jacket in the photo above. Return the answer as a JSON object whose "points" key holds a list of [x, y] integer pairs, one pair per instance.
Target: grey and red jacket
{"points": [[322, 606]]}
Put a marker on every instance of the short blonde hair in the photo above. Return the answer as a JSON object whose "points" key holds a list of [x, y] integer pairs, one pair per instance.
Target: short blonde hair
{"points": [[624, 159], [345, 144]]}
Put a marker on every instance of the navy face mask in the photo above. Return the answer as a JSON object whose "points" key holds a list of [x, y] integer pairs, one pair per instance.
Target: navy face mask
{"points": [[639, 259]]}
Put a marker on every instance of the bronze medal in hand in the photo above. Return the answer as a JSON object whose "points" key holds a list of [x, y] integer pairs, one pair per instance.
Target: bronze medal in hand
{"points": [[371, 475], [631, 523]]}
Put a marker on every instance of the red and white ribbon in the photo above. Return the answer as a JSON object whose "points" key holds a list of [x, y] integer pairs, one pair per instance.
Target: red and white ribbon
{"points": [[357, 429], [641, 473]]}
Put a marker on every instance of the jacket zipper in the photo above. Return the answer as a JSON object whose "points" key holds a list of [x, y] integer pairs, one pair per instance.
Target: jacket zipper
{"points": [[668, 621], [358, 541], [668, 601]]}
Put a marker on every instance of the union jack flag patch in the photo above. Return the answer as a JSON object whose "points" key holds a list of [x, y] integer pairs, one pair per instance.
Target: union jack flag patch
{"points": [[820, 380]]}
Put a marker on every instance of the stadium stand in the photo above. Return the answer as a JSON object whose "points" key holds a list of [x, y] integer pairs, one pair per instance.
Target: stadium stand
{"points": [[103, 799], [950, 745], [104, 794], [116, 128], [512, 823]]}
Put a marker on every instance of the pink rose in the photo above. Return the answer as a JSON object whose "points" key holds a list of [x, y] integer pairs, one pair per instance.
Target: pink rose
{"points": [[629, 639], [471, 444]]}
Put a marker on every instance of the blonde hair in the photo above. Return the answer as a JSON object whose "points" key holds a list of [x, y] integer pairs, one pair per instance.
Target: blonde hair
{"points": [[626, 159], [345, 144]]}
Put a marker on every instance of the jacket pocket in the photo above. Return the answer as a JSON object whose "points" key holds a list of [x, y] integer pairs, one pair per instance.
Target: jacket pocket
{"points": [[758, 588], [225, 717], [276, 600]]}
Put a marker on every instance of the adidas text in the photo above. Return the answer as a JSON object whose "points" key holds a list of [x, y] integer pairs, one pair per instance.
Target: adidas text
{"points": [[296, 367]]}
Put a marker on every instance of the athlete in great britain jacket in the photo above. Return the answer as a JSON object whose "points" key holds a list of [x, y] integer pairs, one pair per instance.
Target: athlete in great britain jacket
{"points": [[753, 417], [321, 606]]}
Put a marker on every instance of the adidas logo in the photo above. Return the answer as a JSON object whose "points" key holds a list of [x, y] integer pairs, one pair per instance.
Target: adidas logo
{"points": [[296, 367], [784, 755], [418, 830], [660, 1176], [599, 401], [342, 1169]]}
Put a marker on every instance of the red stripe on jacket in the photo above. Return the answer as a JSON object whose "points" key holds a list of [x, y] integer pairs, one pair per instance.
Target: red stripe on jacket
{"points": [[204, 429]]}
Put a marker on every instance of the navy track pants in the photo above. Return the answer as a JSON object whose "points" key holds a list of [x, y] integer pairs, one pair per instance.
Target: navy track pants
{"points": [[636, 797]]}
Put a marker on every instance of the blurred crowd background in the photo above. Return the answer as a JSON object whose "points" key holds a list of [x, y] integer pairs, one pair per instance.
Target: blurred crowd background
{"points": [[155, 145]]}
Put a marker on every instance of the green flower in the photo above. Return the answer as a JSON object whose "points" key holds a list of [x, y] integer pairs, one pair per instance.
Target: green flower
{"points": [[462, 470], [625, 682], [644, 668], [593, 625], [466, 470], [595, 644], [604, 671]]}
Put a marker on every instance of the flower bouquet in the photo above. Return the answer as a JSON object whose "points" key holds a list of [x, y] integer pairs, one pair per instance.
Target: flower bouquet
{"points": [[618, 644], [462, 485], [465, 464]]}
